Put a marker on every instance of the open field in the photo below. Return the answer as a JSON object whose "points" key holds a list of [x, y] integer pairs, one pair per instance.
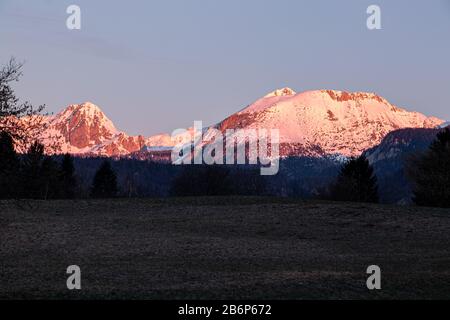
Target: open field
{"points": [[251, 248]]}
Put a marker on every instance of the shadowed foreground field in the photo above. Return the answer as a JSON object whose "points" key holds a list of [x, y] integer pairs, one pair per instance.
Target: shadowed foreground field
{"points": [[214, 248]]}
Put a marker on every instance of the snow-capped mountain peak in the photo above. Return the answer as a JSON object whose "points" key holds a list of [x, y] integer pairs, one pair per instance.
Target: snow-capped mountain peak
{"points": [[87, 112], [88, 106], [327, 121], [81, 128], [281, 93]]}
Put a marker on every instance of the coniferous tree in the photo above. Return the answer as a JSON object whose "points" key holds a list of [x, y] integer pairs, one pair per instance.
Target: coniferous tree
{"points": [[431, 173], [356, 182], [31, 173], [50, 185], [105, 182], [9, 167], [68, 180]]}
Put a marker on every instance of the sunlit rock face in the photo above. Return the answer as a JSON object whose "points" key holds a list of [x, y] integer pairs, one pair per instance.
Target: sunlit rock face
{"points": [[312, 123]]}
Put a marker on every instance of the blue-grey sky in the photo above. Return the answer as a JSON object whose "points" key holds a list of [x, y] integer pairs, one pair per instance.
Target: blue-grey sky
{"points": [[153, 66]]}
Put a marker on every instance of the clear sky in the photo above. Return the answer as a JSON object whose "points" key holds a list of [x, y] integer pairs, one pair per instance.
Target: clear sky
{"points": [[154, 66]]}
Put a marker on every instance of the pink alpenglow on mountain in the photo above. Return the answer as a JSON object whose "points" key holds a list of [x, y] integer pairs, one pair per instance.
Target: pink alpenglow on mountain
{"points": [[316, 123], [84, 129], [312, 123]]}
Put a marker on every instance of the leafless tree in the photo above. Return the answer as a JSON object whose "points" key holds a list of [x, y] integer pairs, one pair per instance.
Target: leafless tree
{"points": [[24, 122]]}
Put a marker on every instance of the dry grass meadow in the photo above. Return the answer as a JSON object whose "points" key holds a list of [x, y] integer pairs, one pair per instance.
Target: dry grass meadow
{"points": [[222, 248]]}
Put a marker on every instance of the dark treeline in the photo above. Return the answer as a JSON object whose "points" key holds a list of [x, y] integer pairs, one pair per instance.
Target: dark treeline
{"points": [[37, 176], [34, 175], [139, 179]]}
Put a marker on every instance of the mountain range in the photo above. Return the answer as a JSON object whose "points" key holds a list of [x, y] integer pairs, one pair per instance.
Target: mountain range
{"points": [[312, 123]]}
